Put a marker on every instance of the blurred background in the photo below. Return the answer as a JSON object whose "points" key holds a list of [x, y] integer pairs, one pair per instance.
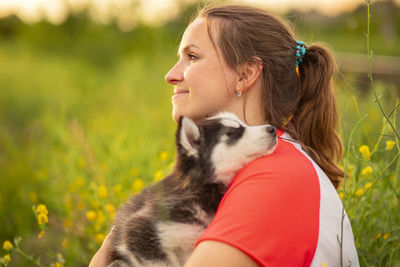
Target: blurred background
{"points": [[85, 115]]}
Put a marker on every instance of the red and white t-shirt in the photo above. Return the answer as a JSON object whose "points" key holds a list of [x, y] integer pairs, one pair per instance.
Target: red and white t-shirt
{"points": [[282, 210]]}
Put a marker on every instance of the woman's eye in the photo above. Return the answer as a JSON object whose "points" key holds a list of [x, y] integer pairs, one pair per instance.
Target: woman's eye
{"points": [[192, 56]]}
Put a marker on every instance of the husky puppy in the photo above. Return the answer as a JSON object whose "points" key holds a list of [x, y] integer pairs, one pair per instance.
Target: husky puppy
{"points": [[160, 226]]}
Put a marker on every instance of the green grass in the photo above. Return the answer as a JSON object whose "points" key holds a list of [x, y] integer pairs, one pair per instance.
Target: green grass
{"points": [[64, 118]]}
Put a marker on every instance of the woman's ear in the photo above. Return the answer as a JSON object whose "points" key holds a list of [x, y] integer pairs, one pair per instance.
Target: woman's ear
{"points": [[248, 72]]}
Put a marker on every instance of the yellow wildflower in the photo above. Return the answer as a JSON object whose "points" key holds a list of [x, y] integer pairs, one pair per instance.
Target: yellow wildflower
{"points": [[359, 192], [390, 144], [42, 218], [41, 208], [99, 238], [41, 234], [385, 236], [7, 245], [57, 264], [7, 259], [110, 209], [341, 195], [364, 150], [158, 175], [137, 185], [100, 217], [367, 171], [367, 185], [324, 264], [102, 191], [91, 215], [377, 236], [163, 155]]}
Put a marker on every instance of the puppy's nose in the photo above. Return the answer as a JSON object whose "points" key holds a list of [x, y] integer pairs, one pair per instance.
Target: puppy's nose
{"points": [[271, 130]]}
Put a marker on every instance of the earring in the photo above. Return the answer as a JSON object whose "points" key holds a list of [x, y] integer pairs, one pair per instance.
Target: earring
{"points": [[239, 93]]}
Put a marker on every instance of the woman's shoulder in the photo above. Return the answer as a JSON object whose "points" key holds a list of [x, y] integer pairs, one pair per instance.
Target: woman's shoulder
{"points": [[287, 164]]}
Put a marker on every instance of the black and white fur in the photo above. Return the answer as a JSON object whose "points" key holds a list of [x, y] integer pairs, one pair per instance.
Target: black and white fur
{"points": [[159, 226]]}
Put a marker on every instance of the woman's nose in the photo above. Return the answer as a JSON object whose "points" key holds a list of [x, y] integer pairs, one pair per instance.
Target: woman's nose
{"points": [[175, 75]]}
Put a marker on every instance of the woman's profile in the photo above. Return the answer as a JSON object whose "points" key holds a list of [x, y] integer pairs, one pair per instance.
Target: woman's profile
{"points": [[281, 210]]}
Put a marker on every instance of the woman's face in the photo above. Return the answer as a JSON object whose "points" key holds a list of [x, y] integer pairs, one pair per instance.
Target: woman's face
{"points": [[203, 83]]}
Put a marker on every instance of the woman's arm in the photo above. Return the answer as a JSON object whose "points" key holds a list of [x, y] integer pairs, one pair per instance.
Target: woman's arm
{"points": [[207, 253], [218, 254]]}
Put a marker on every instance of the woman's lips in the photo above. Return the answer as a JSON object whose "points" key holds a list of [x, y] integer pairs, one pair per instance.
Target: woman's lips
{"points": [[178, 93]]}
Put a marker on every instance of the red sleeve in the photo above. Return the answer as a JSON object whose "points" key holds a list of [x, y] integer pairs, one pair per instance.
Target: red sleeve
{"points": [[271, 210]]}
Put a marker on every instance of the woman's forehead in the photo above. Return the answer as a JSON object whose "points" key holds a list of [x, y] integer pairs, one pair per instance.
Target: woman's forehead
{"points": [[196, 34]]}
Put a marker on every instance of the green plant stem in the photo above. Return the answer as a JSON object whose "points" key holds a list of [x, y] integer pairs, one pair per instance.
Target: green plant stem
{"points": [[26, 256], [17, 241], [344, 188], [370, 71]]}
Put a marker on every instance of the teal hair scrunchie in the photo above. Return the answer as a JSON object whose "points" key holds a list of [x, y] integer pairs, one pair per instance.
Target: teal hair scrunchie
{"points": [[300, 51]]}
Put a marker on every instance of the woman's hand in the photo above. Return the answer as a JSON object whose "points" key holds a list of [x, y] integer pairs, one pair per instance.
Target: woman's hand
{"points": [[99, 259]]}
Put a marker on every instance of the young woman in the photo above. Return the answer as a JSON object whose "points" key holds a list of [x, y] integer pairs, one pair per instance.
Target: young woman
{"points": [[283, 209]]}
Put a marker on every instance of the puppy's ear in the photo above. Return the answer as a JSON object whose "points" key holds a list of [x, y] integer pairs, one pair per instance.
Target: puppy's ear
{"points": [[188, 134]]}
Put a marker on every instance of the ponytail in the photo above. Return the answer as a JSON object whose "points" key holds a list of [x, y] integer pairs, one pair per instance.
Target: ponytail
{"points": [[316, 117]]}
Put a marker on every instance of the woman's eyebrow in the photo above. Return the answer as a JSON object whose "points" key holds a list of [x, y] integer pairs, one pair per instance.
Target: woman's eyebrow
{"points": [[186, 48]]}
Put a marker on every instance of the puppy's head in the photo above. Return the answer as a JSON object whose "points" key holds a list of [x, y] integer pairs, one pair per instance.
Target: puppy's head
{"points": [[219, 146]]}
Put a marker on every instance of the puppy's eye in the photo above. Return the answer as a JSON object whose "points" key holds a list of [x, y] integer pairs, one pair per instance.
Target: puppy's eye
{"points": [[233, 134], [233, 131]]}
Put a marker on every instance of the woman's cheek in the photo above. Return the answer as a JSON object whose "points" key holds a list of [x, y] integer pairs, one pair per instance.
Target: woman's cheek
{"points": [[198, 68], [190, 73]]}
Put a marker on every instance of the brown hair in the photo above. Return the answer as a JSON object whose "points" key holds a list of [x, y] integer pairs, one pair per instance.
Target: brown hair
{"points": [[303, 105]]}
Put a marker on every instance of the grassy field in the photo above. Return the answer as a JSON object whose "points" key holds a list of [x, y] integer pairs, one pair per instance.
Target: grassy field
{"points": [[85, 122]]}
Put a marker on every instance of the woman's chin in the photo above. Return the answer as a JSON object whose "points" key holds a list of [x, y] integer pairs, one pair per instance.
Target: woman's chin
{"points": [[176, 119], [176, 115]]}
